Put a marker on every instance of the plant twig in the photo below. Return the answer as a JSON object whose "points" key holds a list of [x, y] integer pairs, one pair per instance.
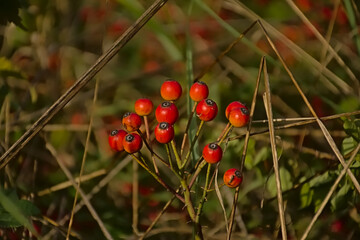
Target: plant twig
{"points": [[83, 196], [84, 156]]}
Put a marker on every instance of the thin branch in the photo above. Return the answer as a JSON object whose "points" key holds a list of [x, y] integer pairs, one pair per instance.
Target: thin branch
{"points": [[83, 196]]}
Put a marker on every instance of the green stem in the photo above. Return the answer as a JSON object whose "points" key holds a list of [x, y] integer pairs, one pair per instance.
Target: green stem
{"points": [[202, 201], [188, 203], [169, 156], [157, 178], [192, 145], [187, 129], [151, 150], [229, 128], [176, 154]]}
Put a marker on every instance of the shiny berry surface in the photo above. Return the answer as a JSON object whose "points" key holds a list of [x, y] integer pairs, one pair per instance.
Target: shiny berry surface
{"points": [[232, 178], [231, 106], [212, 153], [115, 139], [239, 117], [132, 143], [164, 132], [131, 121], [143, 106], [167, 112], [199, 91], [206, 110], [171, 90]]}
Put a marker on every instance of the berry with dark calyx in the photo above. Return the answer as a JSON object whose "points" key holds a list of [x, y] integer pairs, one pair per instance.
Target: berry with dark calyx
{"points": [[132, 143], [116, 140], [171, 90], [164, 132], [167, 112], [143, 106], [231, 106], [232, 178], [206, 110], [212, 153], [131, 121], [199, 91], [239, 117]]}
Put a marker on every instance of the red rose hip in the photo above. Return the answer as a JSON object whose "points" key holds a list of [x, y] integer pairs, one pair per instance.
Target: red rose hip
{"points": [[212, 153], [199, 91], [164, 132], [239, 117], [206, 110], [131, 121], [167, 112], [231, 106], [132, 143], [171, 90], [143, 106], [232, 178], [116, 139]]}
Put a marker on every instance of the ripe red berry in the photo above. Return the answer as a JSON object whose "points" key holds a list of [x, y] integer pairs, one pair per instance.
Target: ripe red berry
{"points": [[212, 153], [206, 110], [232, 178], [167, 112], [239, 117], [131, 121], [132, 143], [171, 90], [199, 91], [164, 132], [231, 106], [143, 106], [116, 139]]}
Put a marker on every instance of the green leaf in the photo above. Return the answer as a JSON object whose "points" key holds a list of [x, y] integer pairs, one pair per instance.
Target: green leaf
{"points": [[340, 199], [352, 128], [15, 212], [285, 178], [306, 195], [348, 145]]}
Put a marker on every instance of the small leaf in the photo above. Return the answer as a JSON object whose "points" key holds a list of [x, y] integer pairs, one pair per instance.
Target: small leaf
{"points": [[15, 212], [285, 178], [348, 145], [306, 195], [339, 200], [352, 128]]}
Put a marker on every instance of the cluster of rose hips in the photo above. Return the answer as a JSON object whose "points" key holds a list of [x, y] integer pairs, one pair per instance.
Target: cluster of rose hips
{"points": [[166, 114]]}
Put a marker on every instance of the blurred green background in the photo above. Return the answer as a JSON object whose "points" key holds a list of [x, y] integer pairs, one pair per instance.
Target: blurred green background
{"points": [[48, 45]]}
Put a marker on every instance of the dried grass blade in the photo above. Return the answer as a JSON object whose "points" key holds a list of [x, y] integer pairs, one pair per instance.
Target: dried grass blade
{"points": [[218, 194], [268, 108]]}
